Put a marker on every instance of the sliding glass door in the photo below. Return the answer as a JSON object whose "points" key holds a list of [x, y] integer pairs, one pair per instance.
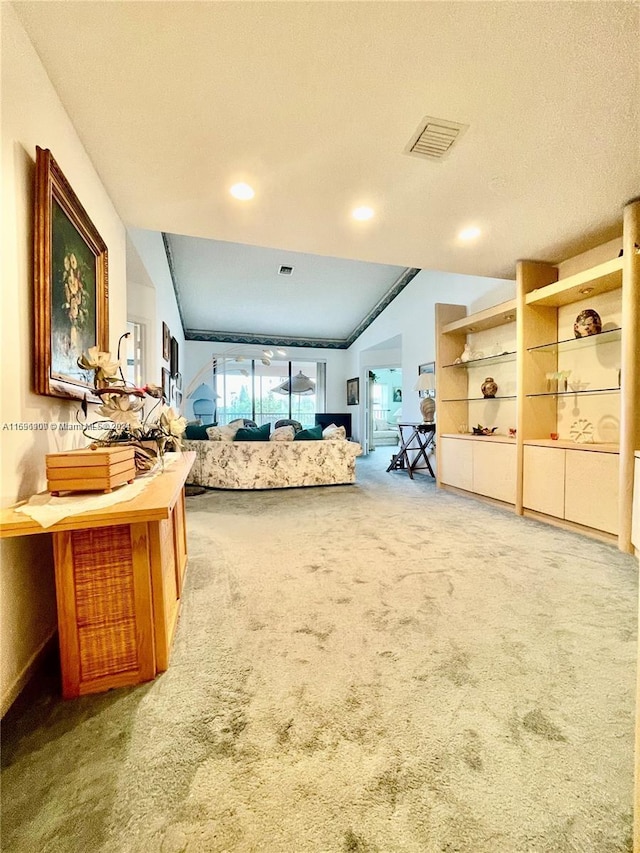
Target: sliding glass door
{"points": [[263, 393]]}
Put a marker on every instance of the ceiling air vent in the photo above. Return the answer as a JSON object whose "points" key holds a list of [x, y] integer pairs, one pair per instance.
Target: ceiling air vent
{"points": [[285, 270], [435, 138]]}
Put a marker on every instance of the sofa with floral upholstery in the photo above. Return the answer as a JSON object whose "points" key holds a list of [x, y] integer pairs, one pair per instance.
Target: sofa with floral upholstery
{"points": [[284, 460]]}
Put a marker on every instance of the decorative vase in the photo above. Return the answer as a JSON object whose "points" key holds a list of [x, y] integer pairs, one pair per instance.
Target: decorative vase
{"points": [[428, 409], [489, 387], [587, 323]]}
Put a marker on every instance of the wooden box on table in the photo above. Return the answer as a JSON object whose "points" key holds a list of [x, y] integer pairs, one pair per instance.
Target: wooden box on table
{"points": [[87, 470]]}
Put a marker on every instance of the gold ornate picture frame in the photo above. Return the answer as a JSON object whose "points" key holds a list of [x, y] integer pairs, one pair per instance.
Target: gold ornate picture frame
{"points": [[71, 289]]}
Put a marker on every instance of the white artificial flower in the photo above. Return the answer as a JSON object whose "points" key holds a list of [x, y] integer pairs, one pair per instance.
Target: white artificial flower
{"points": [[121, 409], [99, 362], [173, 422]]}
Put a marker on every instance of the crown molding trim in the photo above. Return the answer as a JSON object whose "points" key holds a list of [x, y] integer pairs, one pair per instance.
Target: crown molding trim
{"points": [[263, 340], [172, 273]]}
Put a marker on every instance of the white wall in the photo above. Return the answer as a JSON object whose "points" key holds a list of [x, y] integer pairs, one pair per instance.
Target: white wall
{"points": [[412, 315], [33, 115], [148, 270]]}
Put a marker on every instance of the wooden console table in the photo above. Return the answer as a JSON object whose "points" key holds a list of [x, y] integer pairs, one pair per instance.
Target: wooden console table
{"points": [[119, 573]]}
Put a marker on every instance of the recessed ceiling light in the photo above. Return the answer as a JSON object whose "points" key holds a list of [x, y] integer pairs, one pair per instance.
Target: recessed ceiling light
{"points": [[242, 191], [469, 233], [586, 290], [362, 213]]}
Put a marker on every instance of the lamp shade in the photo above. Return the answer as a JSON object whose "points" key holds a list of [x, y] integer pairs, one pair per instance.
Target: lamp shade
{"points": [[299, 384], [204, 392], [426, 382]]}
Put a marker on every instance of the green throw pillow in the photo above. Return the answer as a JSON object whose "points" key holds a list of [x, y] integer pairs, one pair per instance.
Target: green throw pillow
{"points": [[254, 433], [310, 434], [197, 432]]}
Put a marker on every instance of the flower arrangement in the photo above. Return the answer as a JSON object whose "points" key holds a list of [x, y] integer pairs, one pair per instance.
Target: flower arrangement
{"points": [[122, 405]]}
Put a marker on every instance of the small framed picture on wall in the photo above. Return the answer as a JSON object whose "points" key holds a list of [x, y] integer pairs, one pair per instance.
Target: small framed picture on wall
{"points": [[174, 357], [166, 379], [353, 391], [166, 342]]}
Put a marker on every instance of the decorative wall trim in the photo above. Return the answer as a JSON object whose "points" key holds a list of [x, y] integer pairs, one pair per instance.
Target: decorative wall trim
{"points": [[263, 340], [320, 343], [396, 288], [172, 273]]}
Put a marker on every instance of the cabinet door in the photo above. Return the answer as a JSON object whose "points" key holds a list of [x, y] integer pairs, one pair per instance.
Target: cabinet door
{"points": [[591, 489], [456, 463], [494, 470], [543, 487], [635, 519]]}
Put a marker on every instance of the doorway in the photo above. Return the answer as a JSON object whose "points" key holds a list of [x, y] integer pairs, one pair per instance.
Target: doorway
{"points": [[385, 407]]}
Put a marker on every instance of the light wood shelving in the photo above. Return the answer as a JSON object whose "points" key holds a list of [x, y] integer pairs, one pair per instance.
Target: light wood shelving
{"points": [[589, 485]]}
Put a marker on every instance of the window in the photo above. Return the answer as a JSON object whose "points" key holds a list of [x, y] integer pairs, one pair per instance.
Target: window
{"points": [[268, 393]]}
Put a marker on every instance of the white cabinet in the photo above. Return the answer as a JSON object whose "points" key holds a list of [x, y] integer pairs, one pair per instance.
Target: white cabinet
{"points": [[494, 470], [543, 488], [635, 529], [591, 489], [479, 465], [456, 463], [572, 484]]}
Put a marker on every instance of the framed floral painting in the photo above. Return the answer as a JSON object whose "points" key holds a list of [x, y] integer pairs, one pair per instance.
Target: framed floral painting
{"points": [[71, 290]]}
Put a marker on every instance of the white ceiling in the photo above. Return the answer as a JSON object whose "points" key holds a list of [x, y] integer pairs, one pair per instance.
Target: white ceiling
{"points": [[237, 289], [314, 103]]}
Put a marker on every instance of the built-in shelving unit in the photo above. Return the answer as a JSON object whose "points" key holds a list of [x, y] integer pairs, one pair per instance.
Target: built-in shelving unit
{"points": [[552, 388], [584, 393], [490, 318], [606, 336], [478, 399], [485, 359], [599, 279], [465, 460]]}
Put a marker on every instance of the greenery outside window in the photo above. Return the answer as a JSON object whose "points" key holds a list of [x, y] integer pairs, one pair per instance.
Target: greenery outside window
{"points": [[266, 393]]}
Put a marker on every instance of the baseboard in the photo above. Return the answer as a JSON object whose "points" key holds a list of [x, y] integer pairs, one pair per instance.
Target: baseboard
{"points": [[477, 497], [591, 532], [28, 672]]}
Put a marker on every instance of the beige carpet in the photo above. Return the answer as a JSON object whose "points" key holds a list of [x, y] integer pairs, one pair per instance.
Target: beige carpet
{"points": [[378, 668]]}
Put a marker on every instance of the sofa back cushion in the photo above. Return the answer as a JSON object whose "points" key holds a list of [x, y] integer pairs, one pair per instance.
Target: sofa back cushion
{"points": [[222, 433], [310, 434], [283, 433], [197, 432], [254, 433], [333, 433], [297, 426]]}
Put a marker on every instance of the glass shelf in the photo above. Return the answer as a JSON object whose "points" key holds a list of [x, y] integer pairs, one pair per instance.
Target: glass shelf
{"points": [[486, 359], [575, 393], [575, 343], [477, 399]]}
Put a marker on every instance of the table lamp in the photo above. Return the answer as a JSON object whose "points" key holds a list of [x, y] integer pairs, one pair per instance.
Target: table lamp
{"points": [[426, 382]]}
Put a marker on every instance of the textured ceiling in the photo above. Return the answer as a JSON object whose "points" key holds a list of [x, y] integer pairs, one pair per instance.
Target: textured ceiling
{"points": [[314, 104]]}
